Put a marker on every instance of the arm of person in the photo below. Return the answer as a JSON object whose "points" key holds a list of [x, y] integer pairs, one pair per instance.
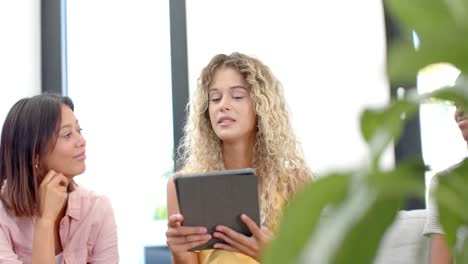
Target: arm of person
{"points": [[440, 253], [234, 241], [181, 238], [7, 255], [52, 199], [439, 250], [105, 250], [43, 242]]}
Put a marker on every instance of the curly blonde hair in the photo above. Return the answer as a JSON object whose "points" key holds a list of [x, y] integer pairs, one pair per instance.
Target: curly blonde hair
{"points": [[278, 157]]}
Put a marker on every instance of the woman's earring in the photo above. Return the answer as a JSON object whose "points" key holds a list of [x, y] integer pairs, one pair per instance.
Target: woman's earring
{"points": [[36, 166]]}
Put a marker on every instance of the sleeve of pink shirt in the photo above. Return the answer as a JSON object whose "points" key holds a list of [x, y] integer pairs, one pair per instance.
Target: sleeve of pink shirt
{"points": [[105, 249], [7, 255]]}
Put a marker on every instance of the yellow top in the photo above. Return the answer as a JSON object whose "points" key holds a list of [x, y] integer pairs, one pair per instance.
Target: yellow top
{"points": [[220, 256]]}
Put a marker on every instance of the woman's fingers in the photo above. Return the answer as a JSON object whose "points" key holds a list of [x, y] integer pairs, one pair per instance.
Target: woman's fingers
{"points": [[262, 234], [186, 231], [51, 174], [226, 247], [58, 180], [59, 183], [55, 180], [253, 227], [182, 238], [189, 238], [181, 244], [235, 239], [53, 195], [240, 242], [175, 220], [266, 231]]}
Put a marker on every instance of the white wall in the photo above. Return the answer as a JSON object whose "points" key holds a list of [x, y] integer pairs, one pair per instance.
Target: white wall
{"points": [[19, 52], [329, 55]]}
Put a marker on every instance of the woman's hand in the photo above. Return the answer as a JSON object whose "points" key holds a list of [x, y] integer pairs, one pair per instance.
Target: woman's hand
{"points": [[234, 241], [52, 199], [182, 238], [52, 195]]}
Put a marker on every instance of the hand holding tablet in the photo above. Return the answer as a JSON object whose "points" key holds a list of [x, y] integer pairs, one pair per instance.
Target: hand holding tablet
{"points": [[218, 198]]}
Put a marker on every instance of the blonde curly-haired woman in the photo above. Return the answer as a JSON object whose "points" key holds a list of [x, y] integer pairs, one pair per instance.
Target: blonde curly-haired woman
{"points": [[237, 119]]}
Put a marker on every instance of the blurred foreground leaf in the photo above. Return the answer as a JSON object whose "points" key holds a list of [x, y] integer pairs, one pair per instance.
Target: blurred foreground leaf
{"points": [[302, 215]]}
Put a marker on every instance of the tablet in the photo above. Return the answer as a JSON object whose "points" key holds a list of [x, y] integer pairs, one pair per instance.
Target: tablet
{"points": [[218, 198]]}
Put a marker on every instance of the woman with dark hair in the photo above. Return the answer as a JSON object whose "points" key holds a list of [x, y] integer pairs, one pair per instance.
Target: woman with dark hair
{"points": [[45, 217]]}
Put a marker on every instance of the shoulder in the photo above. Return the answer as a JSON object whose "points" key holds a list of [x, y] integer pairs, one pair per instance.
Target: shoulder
{"points": [[170, 180], [435, 180], [3, 211], [15, 228], [449, 169], [5, 216]]}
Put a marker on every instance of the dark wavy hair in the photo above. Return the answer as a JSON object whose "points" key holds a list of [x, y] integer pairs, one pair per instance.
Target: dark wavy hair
{"points": [[29, 132]]}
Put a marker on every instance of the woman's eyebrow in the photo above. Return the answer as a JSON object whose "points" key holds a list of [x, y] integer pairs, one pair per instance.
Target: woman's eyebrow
{"points": [[237, 87], [68, 125]]}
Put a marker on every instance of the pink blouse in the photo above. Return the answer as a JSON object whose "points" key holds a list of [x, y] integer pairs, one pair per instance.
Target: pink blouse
{"points": [[88, 232]]}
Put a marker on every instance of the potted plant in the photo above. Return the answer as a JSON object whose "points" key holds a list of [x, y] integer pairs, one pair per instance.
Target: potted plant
{"points": [[343, 216]]}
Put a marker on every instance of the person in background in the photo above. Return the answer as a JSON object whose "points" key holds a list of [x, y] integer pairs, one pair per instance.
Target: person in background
{"points": [[439, 250], [45, 217], [237, 119]]}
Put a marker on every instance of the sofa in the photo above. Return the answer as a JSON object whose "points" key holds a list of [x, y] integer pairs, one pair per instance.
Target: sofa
{"points": [[403, 243]]}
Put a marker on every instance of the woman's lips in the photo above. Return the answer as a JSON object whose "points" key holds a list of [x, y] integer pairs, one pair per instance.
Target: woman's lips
{"points": [[81, 156], [461, 118], [225, 122], [225, 119]]}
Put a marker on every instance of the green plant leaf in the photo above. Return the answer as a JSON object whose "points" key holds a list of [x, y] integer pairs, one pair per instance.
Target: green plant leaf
{"points": [[380, 126], [363, 239], [457, 94], [401, 181], [302, 215], [442, 28], [358, 206], [424, 16], [462, 257], [404, 63]]}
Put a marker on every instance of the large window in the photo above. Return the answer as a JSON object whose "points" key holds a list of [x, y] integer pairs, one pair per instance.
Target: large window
{"points": [[119, 77], [19, 53], [329, 56], [442, 142]]}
